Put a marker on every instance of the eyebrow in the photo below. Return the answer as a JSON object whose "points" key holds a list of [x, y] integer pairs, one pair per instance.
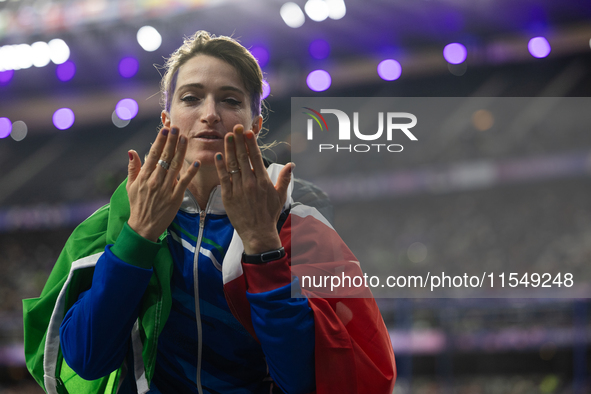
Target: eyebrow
{"points": [[223, 88]]}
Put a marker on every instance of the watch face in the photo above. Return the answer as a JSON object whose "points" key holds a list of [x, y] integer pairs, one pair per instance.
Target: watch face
{"points": [[264, 257], [270, 256]]}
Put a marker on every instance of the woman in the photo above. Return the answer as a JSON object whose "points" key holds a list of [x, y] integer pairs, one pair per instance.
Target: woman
{"points": [[183, 284]]}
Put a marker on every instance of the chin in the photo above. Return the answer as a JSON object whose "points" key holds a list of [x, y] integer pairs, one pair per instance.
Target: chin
{"points": [[207, 158]]}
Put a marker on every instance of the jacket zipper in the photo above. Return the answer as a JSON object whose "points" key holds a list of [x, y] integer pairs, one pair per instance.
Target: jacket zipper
{"points": [[202, 214]]}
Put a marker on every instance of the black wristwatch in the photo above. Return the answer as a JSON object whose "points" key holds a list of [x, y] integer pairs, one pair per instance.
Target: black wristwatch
{"points": [[263, 257]]}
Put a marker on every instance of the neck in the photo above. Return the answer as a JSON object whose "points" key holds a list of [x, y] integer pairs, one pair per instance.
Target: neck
{"points": [[203, 183]]}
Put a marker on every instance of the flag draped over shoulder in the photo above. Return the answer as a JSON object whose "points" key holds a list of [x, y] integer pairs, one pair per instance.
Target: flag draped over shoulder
{"points": [[71, 275], [353, 351]]}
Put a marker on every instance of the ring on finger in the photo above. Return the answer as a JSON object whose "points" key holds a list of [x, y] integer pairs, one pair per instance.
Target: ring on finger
{"points": [[234, 171], [163, 164]]}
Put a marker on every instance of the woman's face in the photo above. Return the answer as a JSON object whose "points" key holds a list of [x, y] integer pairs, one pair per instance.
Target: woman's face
{"points": [[209, 100]]}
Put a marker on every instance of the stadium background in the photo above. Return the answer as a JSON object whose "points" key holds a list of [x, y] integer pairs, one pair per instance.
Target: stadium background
{"points": [[54, 174]]}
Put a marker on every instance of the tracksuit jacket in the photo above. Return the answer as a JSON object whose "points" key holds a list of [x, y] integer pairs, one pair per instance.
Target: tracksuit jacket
{"points": [[186, 315]]}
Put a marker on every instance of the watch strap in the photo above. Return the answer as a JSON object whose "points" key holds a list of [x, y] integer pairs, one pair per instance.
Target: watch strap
{"points": [[265, 257]]}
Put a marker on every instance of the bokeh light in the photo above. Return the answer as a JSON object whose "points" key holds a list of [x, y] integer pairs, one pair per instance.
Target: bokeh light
{"points": [[389, 70], [539, 47], [5, 127], [417, 252], [118, 121], [63, 118], [261, 54], [292, 15], [455, 53], [65, 71], [7, 56], [317, 10], [128, 67], [336, 9], [24, 56], [6, 76], [266, 90], [319, 49], [19, 130], [126, 109], [319, 80], [59, 52], [457, 69], [483, 119], [41, 54], [149, 38]]}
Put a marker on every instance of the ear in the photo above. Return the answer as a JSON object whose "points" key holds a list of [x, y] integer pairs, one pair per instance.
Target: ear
{"points": [[257, 124], [165, 118]]}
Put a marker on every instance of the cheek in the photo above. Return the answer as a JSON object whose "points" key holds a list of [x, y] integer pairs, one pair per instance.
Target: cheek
{"points": [[244, 119], [182, 118]]}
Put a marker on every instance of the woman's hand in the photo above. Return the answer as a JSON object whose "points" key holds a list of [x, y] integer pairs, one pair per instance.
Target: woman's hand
{"points": [[156, 194], [252, 202]]}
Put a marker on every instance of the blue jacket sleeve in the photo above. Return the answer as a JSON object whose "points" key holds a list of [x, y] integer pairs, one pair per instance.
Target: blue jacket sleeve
{"points": [[94, 334], [285, 328]]}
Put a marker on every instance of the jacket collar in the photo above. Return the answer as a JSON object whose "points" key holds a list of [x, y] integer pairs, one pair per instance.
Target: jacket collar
{"points": [[214, 204]]}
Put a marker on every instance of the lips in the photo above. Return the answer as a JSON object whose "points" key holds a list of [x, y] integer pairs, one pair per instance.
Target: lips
{"points": [[209, 135]]}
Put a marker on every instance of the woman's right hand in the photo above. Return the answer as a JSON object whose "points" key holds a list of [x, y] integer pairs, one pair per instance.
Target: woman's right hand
{"points": [[156, 194]]}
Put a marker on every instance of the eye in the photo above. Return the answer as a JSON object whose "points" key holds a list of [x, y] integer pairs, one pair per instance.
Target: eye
{"points": [[233, 102], [189, 98]]}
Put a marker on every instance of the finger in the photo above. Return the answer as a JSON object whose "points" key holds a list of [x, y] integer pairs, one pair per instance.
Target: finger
{"points": [[177, 162], [168, 151], [186, 178], [225, 177], [133, 167], [232, 165], [155, 151], [254, 152], [283, 181], [241, 153]]}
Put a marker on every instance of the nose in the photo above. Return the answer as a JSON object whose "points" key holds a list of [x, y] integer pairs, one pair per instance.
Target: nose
{"points": [[210, 113]]}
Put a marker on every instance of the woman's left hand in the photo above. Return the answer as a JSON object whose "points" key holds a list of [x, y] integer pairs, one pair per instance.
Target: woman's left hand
{"points": [[252, 202]]}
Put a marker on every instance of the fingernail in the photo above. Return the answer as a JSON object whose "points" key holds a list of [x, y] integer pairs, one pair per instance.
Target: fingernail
{"points": [[174, 131], [130, 156], [218, 156], [249, 135], [182, 140], [230, 138], [196, 164], [240, 129], [164, 131]]}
